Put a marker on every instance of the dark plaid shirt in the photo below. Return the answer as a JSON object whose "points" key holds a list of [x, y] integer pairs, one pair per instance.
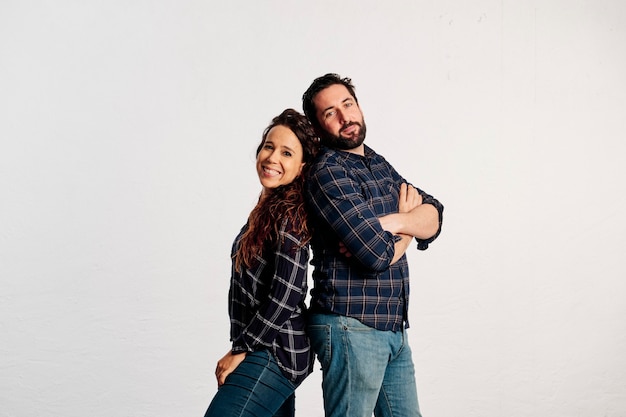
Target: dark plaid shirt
{"points": [[267, 305], [346, 194]]}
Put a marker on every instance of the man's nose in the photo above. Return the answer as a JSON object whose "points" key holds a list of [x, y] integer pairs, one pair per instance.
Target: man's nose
{"points": [[343, 117]]}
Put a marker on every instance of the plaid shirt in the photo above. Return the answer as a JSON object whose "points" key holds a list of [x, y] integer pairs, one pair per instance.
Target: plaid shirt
{"points": [[267, 305], [346, 194]]}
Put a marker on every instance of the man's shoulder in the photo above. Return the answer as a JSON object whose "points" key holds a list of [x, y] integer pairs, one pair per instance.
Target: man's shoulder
{"points": [[329, 167], [326, 158]]}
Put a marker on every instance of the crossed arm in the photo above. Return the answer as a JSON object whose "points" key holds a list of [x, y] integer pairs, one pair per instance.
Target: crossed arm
{"points": [[413, 219], [346, 201]]}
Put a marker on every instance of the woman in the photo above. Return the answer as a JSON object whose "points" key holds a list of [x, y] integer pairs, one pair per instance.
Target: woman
{"points": [[270, 353]]}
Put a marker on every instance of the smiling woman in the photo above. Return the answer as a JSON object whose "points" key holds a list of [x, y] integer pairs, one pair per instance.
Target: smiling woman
{"points": [[279, 161], [270, 354]]}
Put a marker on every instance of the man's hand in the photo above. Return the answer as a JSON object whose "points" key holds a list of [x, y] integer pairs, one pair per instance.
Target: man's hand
{"points": [[343, 250], [409, 198], [227, 365]]}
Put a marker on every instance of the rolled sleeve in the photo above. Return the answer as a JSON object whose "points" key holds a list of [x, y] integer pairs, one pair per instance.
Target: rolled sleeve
{"points": [[422, 244]]}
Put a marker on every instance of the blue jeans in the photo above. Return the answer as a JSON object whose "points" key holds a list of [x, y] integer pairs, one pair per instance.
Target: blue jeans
{"points": [[364, 370], [256, 388]]}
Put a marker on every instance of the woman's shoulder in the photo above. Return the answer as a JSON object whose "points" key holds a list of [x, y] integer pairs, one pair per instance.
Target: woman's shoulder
{"points": [[291, 230], [290, 225]]}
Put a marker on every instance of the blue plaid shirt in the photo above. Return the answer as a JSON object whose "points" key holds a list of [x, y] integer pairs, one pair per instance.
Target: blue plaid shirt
{"points": [[346, 193], [267, 305]]}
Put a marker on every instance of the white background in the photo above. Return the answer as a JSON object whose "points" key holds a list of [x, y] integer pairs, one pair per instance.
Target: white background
{"points": [[128, 131]]}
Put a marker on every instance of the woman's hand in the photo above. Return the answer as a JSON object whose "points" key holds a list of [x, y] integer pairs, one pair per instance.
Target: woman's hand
{"points": [[227, 365]]}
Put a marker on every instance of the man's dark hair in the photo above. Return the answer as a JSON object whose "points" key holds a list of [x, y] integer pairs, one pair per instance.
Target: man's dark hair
{"points": [[318, 85]]}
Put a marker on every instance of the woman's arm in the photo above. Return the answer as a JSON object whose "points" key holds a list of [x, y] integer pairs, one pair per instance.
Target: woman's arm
{"points": [[288, 288], [227, 365]]}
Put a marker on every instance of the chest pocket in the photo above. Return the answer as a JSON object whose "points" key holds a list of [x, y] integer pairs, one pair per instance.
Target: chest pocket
{"points": [[381, 195]]}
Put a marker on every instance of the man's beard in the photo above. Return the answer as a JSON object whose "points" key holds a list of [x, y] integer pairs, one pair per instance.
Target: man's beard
{"points": [[343, 143]]}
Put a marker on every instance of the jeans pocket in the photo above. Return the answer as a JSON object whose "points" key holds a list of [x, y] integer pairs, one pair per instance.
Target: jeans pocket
{"points": [[320, 335]]}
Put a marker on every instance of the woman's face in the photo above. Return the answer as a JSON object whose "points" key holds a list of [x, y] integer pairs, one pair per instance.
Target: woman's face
{"points": [[279, 161]]}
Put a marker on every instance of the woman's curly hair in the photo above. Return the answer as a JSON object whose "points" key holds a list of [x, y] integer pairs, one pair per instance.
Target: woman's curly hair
{"points": [[285, 202]]}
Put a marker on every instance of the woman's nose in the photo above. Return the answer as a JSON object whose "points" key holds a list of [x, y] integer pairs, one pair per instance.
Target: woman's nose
{"points": [[272, 157]]}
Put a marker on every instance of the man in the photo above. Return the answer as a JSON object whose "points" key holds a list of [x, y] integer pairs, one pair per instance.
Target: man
{"points": [[364, 215]]}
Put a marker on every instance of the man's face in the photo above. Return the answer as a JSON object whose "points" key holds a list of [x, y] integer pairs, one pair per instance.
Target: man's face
{"points": [[340, 117]]}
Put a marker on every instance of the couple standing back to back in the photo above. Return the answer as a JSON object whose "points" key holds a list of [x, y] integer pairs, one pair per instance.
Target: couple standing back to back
{"points": [[360, 219]]}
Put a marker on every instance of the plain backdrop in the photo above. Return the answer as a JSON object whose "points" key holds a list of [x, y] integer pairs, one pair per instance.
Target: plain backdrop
{"points": [[128, 131]]}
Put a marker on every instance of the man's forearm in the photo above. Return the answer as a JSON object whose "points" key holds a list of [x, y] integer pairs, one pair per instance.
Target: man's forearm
{"points": [[422, 222], [400, 247]]}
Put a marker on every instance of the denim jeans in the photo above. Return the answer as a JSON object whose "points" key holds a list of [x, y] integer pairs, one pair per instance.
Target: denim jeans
{"points": [[256, 388], [364, 370]]}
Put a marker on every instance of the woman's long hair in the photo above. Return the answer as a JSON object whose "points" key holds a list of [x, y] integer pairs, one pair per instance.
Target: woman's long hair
{"points": [[285, 202]]}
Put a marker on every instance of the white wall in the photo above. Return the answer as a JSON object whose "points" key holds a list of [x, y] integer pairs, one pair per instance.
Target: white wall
{"points": [[127, 135]]}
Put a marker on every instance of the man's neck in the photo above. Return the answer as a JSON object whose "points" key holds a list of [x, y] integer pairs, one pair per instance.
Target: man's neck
{"points": [[359, 150]]}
